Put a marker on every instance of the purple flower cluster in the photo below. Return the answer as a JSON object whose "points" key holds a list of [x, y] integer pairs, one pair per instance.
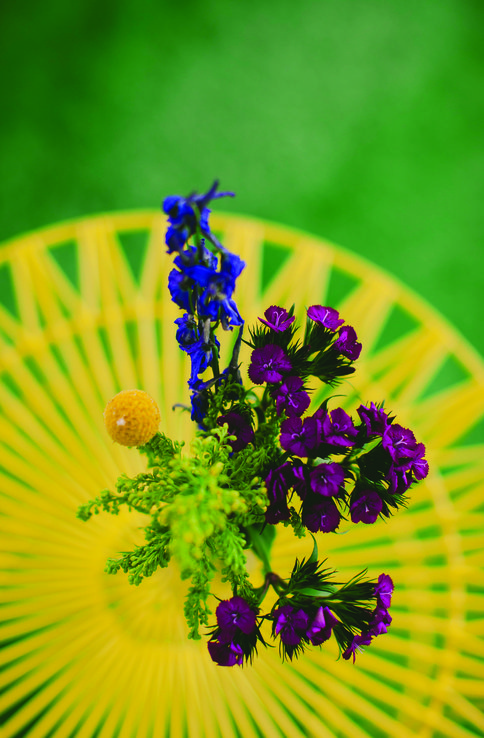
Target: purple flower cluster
{"points": [[325, 353], [380, 617], [347, 341], [236, 635], [298, 627], [379, 477]]}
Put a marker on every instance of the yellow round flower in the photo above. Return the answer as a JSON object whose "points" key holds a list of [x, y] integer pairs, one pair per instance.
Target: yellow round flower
{"points": [[132, 417]]}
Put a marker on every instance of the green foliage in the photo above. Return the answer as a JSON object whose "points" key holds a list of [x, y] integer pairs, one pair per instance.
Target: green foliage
{"points": [[198, 505]]}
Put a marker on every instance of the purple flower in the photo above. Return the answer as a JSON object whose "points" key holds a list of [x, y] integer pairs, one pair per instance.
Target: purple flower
{"points": [[398, 480], [290, 624], [358, 640], [325, 316], [366, 508], [340, 429], [299, 437], [327, 479], [347, 343], [233, 617], [299, 478], [420, 466], [320, 514], [322, 626], [225, 654], [379, 622], [291, 397], [384, 590], [278, 483], [277, 318], [401, 445], [239, 427], [268, 364], [374, 418]]}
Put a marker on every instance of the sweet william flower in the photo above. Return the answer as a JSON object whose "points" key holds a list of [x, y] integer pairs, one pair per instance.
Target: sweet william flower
{"points": [[277, 319], [398, 480], [401, 445], [347, 343], [234, 616], [326, 316], [327, 479], [290, 625], [420, 466], [278, 482], [226, 654], [366, 508], [384, 590], [321, 627], [320, 514], [339, 429], [239, 427], [300, 437], [380, 621], [291, 397], [375, 419], [364, 639], [268, 364]]}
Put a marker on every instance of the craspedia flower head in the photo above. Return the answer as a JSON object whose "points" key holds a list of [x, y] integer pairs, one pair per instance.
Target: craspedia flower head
{"points": [[132, 417]]}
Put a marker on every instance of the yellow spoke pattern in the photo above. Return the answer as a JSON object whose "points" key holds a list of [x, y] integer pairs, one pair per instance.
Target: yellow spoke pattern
{"points": [[85, 654]]}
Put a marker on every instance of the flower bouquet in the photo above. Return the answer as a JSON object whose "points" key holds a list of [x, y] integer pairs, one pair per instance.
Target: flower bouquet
{"points": [[262, 456]]}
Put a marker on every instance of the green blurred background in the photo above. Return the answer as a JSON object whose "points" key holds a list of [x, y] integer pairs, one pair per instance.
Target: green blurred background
{"points": [[358, 120]]}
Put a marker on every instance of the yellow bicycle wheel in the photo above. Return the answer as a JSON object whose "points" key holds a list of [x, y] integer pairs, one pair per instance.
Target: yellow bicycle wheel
{"points": [[84, 313]]}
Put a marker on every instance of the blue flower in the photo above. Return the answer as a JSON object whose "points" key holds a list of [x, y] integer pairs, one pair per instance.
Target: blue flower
{"points": [[183, 213], [186, 334], [179, 286]]}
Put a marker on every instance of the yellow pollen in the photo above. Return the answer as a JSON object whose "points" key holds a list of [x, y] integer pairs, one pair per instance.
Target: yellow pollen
{"points": [[132, 417]]}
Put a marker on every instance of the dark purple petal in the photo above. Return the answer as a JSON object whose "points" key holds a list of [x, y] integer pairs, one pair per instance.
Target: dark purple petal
{"points": [[268, 364], [298, 437], [239, 427], [278, 483], [277, 318], [300, 478], [233, 616], [379, 622], [347, 343], [401, 445], [291, 397], [358, 640], [290, 624], [320, 514], [420, 466], [398, 481], [325, 316], [339, 429], [374, 418], [327, 479], [322, 626], [225, 654], [384, 590], [366, 508]]}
